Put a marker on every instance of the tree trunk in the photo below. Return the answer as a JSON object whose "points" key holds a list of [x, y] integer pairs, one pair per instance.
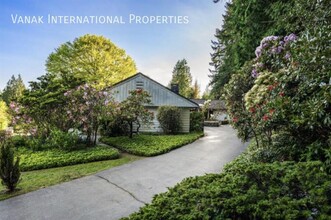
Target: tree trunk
{"points": [[138, 127], [131, 129], [88, 137], [95, 136]]}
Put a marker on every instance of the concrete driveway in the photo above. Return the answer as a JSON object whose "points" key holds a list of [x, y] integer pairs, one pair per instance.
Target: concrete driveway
{"points": [[117, 192]]}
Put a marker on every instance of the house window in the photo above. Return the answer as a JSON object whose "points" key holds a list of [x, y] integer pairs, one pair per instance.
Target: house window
{"points": [[139, 84]]}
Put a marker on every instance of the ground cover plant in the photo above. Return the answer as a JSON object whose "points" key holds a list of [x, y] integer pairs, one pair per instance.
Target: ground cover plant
{"points": [[34, 160], [33, 180], [150, 145]]}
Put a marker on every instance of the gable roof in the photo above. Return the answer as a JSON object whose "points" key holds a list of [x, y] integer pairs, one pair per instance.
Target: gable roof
{"points": [[160, 95], [213, 105]]}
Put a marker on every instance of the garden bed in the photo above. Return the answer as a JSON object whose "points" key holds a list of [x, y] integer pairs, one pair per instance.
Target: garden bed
{"points": [[35, 160], [150, 145]]}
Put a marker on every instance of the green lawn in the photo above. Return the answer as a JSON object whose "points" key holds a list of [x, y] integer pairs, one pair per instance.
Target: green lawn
{"points": [[49, 158], [151, 145], [37, 179]]}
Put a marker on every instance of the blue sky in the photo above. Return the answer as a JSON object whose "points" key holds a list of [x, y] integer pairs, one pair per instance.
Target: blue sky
{"points": [[154, 47]]}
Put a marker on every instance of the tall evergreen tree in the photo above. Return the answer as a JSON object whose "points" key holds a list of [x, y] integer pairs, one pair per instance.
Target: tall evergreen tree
{"points": [[13, 90], [245, 24], [181, 75]]}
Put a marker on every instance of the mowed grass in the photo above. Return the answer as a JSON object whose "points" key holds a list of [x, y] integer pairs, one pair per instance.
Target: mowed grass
{"points": [[33, 180], [151, 145]]}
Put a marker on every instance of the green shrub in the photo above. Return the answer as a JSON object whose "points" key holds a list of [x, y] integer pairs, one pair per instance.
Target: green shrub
{"points": [[9, 167], [56, 139], [19, 141], [62, 140], [247, 190], [285, 148], [278, 97], [169, 118], [34, 160], [196, 121], [151, 145], [36, 143], [114, 128]]}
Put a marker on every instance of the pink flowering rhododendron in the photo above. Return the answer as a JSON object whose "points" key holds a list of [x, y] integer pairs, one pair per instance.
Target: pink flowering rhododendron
{"points": [[86, 106]]}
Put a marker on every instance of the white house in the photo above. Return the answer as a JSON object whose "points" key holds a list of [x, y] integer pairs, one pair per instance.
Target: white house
{"points": [[160, 96]]}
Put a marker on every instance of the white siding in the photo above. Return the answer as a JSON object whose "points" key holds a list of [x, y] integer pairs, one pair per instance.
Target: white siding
{"points": [[185, 120], [154, 126]]}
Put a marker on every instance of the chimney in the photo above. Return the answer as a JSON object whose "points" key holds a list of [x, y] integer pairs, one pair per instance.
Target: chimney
{"points": [[175, 88]]}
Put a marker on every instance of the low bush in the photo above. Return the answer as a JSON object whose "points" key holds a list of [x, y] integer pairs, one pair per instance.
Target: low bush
{"points": [[34, 160], [196, 121], [19, 141], [247, 190], [169, 118], [114, 128], [9, 167], [62, 140], [151, 145], [57, 139]]}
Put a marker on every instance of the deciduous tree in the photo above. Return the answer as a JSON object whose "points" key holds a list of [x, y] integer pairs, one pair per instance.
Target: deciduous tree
{"points": [[86, 107], [133, 110], [90, 59], [4, 116]]}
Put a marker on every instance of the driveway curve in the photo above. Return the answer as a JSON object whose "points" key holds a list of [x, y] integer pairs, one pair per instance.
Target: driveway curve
{"points": [[119, 191]]}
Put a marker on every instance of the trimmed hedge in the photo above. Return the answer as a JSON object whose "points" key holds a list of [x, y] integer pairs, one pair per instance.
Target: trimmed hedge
{"points": [[35, 160], [151, 145], [247, 190]]}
